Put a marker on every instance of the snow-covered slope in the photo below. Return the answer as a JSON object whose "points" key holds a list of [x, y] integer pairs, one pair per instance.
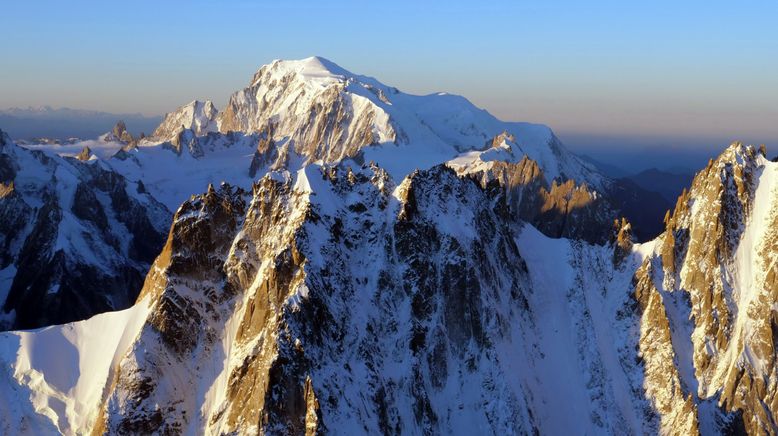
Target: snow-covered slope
{"points": [[197, 116], [380, 263], [367, 307], [716, 273], [75, 238], [332, 299], [313, 110]]}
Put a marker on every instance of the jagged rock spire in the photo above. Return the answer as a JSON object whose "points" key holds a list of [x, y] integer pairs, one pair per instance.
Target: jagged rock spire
{"points": [[85, 154]]}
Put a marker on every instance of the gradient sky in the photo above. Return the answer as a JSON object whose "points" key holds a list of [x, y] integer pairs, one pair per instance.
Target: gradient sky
{"points": [[682, 69]]}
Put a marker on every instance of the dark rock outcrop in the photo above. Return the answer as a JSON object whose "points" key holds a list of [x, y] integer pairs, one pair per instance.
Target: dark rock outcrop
{"points": [[80, 244]]}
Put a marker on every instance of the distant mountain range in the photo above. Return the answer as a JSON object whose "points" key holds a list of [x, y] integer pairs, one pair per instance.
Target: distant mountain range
{"points": [[328, 254], [63, 123], [669, 182], [609, 170]]}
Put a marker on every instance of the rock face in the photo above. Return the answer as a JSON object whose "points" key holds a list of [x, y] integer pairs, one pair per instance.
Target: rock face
{"points": [[715, 275], [119, 133], [336, 300], [85, 154], [559, 207], [332, 288], [76, 239], [198, 117], [558, 210]]}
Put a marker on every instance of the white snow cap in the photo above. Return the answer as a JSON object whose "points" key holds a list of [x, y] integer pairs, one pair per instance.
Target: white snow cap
{"points": [[314, 68]]}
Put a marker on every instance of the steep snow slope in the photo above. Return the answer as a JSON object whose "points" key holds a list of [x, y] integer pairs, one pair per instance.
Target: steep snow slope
{"points": [[493, 326], [66, 369], [717, 265], [333, 299]]}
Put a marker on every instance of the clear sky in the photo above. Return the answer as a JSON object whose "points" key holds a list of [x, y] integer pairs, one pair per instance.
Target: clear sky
{"points": [[685, 69]]}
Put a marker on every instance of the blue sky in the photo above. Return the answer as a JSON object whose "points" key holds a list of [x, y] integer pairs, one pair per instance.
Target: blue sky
{"points": [[639, 69]]}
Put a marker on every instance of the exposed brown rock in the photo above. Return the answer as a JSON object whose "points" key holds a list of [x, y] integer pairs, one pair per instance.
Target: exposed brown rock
{"points": [[622, 240], [697, 253], [85, 154], [6, 189], [558, 209], [675, 407]]}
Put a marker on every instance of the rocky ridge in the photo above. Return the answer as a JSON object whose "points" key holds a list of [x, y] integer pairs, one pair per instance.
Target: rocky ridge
{"points": [[288, 290], [77, 239], [342, 293], [715, 274]]}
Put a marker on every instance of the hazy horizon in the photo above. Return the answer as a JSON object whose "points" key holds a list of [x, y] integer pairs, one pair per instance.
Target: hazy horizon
{"points": [[693, 75], [631, 153]]}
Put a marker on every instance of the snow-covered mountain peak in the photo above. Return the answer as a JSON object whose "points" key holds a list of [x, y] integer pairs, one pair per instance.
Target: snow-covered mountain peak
{"points": [[715, 268], [197, 116], [328, 113], [314, 69], [298, 112]]}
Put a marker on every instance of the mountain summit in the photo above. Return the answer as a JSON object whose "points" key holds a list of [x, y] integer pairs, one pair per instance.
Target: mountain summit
{"points": [[294, 113], [297, 113], [343, 257]]}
